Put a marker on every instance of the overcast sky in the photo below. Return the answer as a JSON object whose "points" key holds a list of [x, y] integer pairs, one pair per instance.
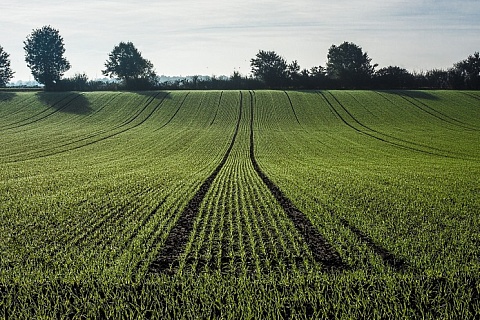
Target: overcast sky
{"points": [[214, 37]]}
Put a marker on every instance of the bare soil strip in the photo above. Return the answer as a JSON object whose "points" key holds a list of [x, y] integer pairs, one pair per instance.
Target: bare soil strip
{"points": [[291, 105], [321, 250], [388, 257], [218, 107], [168, 259]]}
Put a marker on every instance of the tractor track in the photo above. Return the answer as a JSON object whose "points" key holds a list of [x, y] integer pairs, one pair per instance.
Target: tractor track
{"points": [[321, 250], [435, 113], [123, 128], [22, 122], [174, 245], [389, 258], [218, 107], [293, 109], [398, 145], [173, 116], [382, 133]]}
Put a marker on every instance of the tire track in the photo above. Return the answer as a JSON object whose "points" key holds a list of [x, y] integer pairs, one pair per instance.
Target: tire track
{"points": [[168, 258], [124, 124], [173, 116], [21, 124], [293, 109], [144, 221], [468, 94], [389, 258], [21, 105], [433, 112], [218, 107], [382, 133], [321, 250], [339, 116]]}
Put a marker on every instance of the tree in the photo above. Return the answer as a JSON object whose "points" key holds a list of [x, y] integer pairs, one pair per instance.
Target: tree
{"points": [[270, 68], [5, 72], [437, 78], [349, 66], [393, 77], [44, 50], [126, 63], [79, 82], [470, 70]]}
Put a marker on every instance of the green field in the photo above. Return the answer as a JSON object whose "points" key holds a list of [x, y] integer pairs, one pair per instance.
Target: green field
{"points": [[252, 204]]}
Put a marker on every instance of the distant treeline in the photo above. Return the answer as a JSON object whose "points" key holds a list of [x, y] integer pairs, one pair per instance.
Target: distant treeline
{"points": [[270, 71], [348, 67]]}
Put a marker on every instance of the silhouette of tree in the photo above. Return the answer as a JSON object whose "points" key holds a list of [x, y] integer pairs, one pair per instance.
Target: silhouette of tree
{"points": [[270, 68], [437, 79], [44, 50], [393, 77], [126, 63], [455, 78], [470, 71], [349, 66], [5, 72]]}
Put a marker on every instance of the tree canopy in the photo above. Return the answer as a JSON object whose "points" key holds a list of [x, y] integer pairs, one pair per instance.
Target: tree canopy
{"points": [[393, 77], [270, 68], [469, 69], [349, 66], [126, 63], [5, 72], [44, 50]]}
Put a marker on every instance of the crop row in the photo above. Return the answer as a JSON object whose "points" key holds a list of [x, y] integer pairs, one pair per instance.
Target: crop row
{"points": [[299, 203]]}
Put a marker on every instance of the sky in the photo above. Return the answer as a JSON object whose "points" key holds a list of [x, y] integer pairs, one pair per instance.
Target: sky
{"points": [[214, 37]]}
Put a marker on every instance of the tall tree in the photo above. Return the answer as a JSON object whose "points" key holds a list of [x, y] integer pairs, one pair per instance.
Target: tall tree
{"points": [[126, 63], [270, 68], [470, 70], [348, 65], [5, 72], [44, 50]]}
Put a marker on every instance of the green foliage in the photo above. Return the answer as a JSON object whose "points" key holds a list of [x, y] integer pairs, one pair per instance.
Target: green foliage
{"points": [[271, 68], [349, 65], [44, 50], [92, 184], [126, 63], [5, 72]]}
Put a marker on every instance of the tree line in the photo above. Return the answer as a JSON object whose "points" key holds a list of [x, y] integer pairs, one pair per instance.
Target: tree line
{"points": [[347, 67]]}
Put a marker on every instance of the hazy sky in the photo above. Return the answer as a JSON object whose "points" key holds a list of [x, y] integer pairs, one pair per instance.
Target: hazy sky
{"points": [[213, 37]]}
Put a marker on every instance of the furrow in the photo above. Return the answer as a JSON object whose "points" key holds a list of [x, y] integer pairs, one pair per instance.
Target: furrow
{"points": [[322, 251], [179, 234], [339, 116], [389, 258], [108, 136], [435, 113], [291, 105], [22, 123], [218, 107], [382, 133], [175, 113]]}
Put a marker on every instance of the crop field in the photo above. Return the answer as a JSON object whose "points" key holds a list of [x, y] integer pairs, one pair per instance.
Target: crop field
{"points": [[240, 204]]}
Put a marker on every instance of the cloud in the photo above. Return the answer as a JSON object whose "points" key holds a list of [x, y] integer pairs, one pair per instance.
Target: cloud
{"points": [[214, 36]]}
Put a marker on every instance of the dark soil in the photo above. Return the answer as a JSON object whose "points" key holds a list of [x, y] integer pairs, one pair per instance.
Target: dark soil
{"points": [[321, 250], [167, 260]]}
